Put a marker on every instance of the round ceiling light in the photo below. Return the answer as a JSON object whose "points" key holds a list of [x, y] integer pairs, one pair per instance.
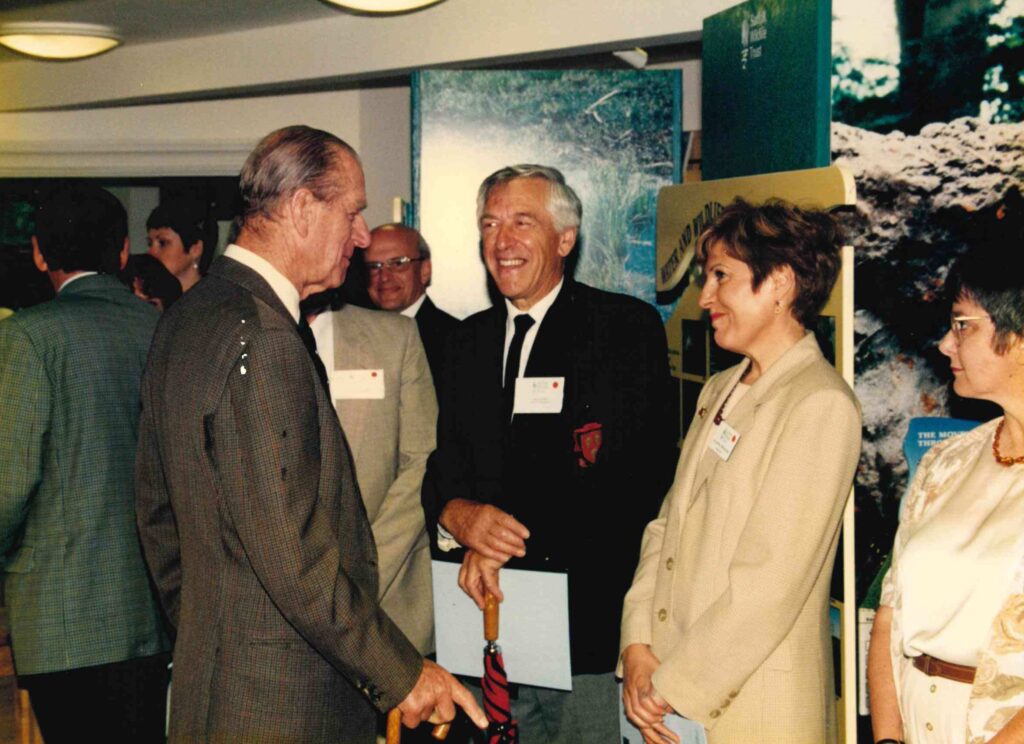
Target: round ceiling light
{"points": [[383, 6], [48, 40]]}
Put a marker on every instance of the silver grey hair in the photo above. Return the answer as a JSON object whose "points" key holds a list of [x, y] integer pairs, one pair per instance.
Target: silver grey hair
{"points": [[286, 160], [564, 205]]}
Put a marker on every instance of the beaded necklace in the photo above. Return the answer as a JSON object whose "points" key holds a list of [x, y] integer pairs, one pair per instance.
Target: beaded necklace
{"points": [[1004, 461]]}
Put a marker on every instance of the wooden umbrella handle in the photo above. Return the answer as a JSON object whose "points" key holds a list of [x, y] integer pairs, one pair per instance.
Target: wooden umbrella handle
{"points": [[490, 617], [394, 728]]}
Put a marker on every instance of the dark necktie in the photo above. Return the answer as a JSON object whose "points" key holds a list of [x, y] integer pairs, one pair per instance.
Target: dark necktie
{"points": [[515, 352], [307, 338]]}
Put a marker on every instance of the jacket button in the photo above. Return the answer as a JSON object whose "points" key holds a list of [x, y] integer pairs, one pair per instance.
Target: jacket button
{"points": [[669, 563], [734, 693], [715, 713], [662, 614]]}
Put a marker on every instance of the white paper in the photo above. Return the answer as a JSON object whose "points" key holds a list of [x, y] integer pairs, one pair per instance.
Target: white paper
{"points": [[690, 732], [533, 626], [357, 384], [539, 395]]}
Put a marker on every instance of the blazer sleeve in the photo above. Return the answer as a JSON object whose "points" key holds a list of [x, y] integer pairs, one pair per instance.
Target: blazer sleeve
{"points": [[292, 540], [25, 405], [780, 554], [158, 530], [400, 521]]}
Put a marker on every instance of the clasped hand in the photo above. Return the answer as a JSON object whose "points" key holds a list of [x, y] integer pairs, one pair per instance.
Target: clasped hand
{"points": [[645, 708]]}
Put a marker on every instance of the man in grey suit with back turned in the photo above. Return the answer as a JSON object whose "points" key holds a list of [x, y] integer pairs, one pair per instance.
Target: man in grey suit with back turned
{"points": [[248, 509]]}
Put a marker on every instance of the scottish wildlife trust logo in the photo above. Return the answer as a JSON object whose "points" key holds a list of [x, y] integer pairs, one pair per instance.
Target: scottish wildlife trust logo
{"points": [[753, 30]]}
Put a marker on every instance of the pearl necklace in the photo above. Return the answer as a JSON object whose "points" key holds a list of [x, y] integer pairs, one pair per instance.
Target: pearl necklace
{"points": [[1004, 461]]}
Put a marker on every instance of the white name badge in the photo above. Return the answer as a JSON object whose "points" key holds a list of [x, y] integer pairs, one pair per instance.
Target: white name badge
{"points": [[357, 384], [539, 395], [724, 440]]}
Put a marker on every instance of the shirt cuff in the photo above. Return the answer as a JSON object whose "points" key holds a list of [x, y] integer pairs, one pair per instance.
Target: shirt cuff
{"points": [[446, 541]]}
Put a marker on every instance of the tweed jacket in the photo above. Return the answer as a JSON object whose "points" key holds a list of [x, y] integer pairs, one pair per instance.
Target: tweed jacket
{"points": [[585, 505], [731, 591], [255, 531], [997, 693], [391, 438], [77, 591]]}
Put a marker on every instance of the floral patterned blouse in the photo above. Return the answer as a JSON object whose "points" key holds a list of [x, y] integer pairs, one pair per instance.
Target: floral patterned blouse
{"points": [[998, 690]]}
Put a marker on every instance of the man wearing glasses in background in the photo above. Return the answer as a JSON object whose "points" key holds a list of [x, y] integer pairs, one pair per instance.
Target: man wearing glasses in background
{"points": [[398, 273]]}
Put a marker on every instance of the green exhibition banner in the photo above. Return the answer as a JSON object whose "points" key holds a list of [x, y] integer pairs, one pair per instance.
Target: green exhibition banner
{"points": [[766, 99]]}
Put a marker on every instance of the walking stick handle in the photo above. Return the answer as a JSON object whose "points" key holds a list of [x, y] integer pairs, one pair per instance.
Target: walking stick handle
{"points": [[490, 617], [394, 728]]}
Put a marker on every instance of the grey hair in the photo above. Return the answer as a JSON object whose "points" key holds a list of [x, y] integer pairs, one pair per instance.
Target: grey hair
{"points": [[564, 205], [421, 243], [286, 160]]}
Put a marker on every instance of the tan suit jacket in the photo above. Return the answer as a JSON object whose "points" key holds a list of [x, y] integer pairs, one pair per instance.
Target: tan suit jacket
{"points": [[390, 439], [732, 587]]}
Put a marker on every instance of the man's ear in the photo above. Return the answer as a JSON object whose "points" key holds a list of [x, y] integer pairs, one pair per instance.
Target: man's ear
{"points": [[567, 241], [123, 258], [425, 272], [37, 256], [300, 210]]}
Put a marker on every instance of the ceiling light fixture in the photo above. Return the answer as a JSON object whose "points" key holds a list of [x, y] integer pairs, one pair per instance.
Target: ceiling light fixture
{"points": [[55, 40], [383, 6]]}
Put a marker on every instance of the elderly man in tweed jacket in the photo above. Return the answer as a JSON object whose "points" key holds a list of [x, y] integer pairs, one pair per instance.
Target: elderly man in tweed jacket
{"points": [[85, 626], [248, 508]]}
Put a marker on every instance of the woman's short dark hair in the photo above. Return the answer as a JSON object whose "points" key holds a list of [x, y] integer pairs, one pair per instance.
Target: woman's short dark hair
{"points": [[192, 221], [154, 278], [991, 274], [777, 233]]}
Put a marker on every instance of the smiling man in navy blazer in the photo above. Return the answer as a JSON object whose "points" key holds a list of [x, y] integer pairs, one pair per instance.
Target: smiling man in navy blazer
{"points": [[569, 488]]}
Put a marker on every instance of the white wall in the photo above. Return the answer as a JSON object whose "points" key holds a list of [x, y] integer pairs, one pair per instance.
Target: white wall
{"points": [[210, 138]]}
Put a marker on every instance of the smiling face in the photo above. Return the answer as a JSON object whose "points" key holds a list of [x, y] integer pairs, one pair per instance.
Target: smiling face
{"points": [[337, 227], [396, 288], [979, 371], [524, 253], [165, 245], [741, 316]]}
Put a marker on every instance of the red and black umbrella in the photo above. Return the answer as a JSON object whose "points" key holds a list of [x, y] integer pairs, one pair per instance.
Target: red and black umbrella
{"points": [[497, 702]]}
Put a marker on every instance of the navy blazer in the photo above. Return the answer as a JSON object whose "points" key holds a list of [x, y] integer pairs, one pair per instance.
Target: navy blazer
{"points": [[584, 518]]}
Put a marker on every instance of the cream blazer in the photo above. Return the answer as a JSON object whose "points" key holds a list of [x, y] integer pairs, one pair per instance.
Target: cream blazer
{"points": [[391, 439], [731, 591]]}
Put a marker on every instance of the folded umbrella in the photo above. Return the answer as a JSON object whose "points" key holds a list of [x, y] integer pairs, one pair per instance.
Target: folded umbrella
{"points": [[497, 702]]}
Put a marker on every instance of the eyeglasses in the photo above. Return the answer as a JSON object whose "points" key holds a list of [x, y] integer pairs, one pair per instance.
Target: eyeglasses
{"points": [[960, 323], [396, 265]]}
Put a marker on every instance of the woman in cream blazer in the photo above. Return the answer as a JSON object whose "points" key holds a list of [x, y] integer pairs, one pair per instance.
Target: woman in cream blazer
{"points": [[726, 622]]}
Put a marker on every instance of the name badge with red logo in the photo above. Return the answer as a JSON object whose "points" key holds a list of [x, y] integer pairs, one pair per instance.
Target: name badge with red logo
{"points": [[724, 440], [539, 395]]}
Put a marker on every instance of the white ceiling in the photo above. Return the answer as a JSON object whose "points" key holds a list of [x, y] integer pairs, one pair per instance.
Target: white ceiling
{"points": [[142, 21], [186, 50]]}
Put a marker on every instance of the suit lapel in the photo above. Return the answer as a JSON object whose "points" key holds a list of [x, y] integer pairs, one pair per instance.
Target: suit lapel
{"points": [[743, 415]]}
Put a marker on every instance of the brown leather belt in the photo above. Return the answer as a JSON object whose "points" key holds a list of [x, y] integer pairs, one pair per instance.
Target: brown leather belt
{"points": [[947, 670]]}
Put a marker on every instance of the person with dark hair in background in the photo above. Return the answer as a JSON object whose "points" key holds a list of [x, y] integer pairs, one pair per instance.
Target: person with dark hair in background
{"points": [[946, 661], [85, 626], [183, 236], [150, 280], [727, 619], [399, 268], [248, 507], [568, 485]]}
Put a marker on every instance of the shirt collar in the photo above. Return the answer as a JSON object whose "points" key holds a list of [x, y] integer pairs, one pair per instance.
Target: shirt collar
{"points": [[539, 308], [283, 288], [410, 312], [76, 277]]}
